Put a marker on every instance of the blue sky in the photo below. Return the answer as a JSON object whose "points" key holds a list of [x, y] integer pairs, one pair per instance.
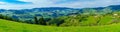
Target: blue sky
{"points": [[15, 2], [24, 4]]}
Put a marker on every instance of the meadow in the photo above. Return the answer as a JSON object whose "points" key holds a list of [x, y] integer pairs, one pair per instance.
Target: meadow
{"points": [[10, 26]]}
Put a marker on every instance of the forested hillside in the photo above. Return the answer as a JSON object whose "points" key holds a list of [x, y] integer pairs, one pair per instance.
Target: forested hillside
{"points": [[105, 19]]}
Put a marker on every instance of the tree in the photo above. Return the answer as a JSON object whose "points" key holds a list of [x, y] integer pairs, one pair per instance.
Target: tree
{"points": [[56, 21], [42, 21], [36, 20]]}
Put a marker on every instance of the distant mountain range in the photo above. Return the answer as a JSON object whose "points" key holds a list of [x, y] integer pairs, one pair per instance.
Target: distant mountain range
{"points": [[28, 14], [112, 7]]}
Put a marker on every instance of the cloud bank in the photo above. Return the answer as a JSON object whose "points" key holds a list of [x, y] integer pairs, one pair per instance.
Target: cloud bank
{"points": [[26, 4]]}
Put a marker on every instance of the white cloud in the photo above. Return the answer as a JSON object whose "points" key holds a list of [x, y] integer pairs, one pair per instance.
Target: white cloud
{"points": [[51, 3], [1, 3]]}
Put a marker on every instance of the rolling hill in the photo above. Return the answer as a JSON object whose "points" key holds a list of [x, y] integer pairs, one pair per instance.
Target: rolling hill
{"points": [[10, 26], [47, 12], [28, 14]]}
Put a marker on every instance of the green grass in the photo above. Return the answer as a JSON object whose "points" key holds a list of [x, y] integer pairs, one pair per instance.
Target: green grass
{"points": [[9, 26], [91, 20], [106, 20]]}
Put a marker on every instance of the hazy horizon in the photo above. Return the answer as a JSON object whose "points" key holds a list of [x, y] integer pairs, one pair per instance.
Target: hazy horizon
{"points": [[28, 4]]}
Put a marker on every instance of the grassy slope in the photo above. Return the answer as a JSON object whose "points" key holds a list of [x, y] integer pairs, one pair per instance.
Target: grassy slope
{"points": [[9, 26]]}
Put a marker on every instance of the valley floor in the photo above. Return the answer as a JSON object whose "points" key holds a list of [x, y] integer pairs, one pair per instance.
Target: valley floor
{"points": [[10, 26]]}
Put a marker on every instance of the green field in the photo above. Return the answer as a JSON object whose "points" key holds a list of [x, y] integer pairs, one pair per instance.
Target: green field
{"points": [[10, 26]]}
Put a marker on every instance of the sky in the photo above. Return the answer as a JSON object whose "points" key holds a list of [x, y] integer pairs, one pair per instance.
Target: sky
{"points": [[28, 4]]}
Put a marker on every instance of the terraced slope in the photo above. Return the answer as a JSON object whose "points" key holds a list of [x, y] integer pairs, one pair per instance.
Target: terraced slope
{"points": [[9, 26]]}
